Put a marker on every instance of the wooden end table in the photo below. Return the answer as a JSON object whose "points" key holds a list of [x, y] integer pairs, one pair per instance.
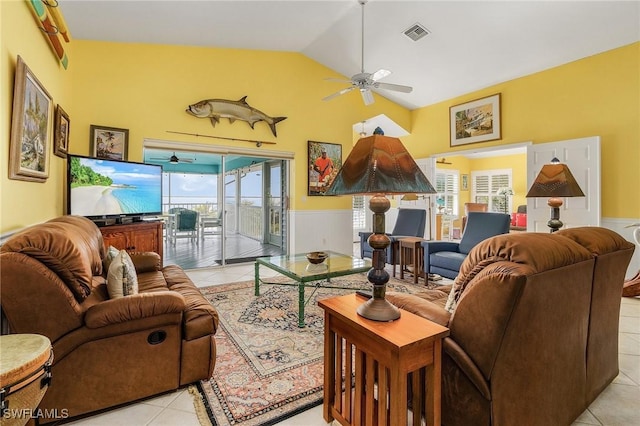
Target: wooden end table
{"points": [[376, 359], [411, 249]]}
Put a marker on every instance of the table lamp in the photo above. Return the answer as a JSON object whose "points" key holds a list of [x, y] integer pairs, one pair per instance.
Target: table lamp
{"points": [[379, 165], [555, 180]]}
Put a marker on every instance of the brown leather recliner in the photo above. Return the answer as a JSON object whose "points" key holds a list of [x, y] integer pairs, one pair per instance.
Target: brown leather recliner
{"points": [[106, 351], [534, 326]]}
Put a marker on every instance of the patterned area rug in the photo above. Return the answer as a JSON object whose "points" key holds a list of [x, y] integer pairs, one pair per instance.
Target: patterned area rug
{"points": [[268, 369]]}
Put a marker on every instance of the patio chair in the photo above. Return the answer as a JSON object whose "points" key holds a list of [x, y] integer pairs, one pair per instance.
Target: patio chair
{"points": [[214, 222], [410, 223], [185, 224]]}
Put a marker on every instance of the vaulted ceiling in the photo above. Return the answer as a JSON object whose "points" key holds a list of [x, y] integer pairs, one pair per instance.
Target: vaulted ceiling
{"points": [[470, 44]]}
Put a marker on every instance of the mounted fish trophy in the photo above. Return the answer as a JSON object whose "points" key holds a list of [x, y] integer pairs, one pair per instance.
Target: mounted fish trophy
{"points": [[215, 109]]}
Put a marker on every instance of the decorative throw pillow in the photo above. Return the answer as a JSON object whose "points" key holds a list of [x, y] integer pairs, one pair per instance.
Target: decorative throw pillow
{"points": [[121, 278], [112, 252]]}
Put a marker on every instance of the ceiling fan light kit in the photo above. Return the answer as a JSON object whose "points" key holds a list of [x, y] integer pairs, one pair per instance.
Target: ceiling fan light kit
{"points": [[364, 81], [173, 159]]}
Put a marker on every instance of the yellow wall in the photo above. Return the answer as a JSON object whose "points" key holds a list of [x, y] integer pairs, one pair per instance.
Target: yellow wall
{"points": [[25, 203], [145, 88], [594, 96]]}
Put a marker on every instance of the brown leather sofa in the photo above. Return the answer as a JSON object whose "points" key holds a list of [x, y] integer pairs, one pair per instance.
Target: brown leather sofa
{"points": [[106, 351], [533, 324]]}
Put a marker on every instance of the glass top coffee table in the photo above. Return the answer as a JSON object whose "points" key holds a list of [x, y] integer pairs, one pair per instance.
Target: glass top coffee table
{"points": [[305, 274]]}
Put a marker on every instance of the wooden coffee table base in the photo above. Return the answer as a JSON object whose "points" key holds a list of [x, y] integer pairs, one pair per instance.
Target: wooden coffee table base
{"points": [[376, 359]]}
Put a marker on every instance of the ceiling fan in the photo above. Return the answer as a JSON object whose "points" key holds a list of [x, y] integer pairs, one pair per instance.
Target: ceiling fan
{"points": [[365, 81], [174, 159]]}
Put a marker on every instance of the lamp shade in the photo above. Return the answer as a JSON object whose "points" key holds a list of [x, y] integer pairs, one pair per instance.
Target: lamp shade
{"points": [[380, 164], [555, 180]]}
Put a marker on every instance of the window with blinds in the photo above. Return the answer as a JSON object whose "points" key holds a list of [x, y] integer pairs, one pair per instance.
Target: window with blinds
{"points": [[448, 187], [486, 183], [359, 213]]}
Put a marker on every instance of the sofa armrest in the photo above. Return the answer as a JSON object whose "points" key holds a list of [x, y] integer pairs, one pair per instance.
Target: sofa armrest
{"points": [[134, 307], [468, 367], [146, 261], [419, 306]]}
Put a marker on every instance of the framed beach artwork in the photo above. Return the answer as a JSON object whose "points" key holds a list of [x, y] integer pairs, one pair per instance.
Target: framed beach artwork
{"points": [[475, 121], [31, 127], [61, 133], [325, 161], [109, 142]]}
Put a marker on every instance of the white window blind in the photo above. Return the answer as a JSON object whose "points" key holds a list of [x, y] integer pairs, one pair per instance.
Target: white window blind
{"points": [[448, 187], [486, 183]]}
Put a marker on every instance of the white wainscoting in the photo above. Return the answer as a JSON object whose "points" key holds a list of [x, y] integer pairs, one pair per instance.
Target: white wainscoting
{"points": [[313, 230], [332, 230], [618, 225]]}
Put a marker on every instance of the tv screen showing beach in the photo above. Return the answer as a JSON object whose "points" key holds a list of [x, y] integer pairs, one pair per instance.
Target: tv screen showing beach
{"points": [[106, 188]]}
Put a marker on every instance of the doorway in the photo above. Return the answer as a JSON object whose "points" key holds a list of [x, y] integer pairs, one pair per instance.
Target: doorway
{"points": [[239, 200]]}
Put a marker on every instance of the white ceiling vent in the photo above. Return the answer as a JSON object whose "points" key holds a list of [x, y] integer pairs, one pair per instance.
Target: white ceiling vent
{"points": [[416, 32]]}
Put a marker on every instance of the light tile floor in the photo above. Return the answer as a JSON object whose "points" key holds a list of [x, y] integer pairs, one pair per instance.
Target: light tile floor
{"points": [[618, 405]]}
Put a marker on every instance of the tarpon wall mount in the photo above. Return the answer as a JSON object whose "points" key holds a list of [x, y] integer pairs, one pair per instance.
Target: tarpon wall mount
{"points": [[215, 109], [257, 142]]}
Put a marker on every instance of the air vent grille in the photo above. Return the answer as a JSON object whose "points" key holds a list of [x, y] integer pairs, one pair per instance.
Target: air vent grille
{"points": [[416, 32]]}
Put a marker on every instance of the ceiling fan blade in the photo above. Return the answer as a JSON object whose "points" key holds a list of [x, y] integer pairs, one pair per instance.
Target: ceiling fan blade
{"points": [[335, 95], [338, 80], [159, 159], [367, 96], [380, 74], [185, 160], [396, 87]]}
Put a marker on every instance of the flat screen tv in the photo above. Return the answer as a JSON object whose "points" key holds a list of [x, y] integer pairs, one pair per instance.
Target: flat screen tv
{"points": [[99, 188]]}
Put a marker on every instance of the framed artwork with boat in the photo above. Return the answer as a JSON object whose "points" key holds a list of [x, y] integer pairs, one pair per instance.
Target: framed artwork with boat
{"points": [[475, 121]]}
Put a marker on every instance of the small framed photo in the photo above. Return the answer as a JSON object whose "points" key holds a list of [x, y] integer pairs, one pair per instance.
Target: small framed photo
{"points": [[325, 161], [31, 127], [61, 133], [475, 121], [109, 142], [464, 182]]}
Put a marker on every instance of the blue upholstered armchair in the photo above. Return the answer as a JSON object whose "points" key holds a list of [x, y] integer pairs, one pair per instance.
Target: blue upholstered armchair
{"points": [[445, 257], [410, 223]]}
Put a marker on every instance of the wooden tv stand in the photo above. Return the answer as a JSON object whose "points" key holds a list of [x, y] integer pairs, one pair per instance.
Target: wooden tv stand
{"points": [[136, 236]]}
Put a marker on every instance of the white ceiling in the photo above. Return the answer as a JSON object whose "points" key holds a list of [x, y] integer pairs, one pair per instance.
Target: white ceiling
{"points": [[471, 45]]}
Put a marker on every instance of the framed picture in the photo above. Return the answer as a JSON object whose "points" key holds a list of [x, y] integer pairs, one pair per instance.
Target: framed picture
{"points": [[109, 142], [61, 133], [325, 161], [31, 127], [464, 182], [475, 121]]}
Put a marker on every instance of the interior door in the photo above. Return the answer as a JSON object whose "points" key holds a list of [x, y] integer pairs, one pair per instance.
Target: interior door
{"points": [[274, 180], [583, 158]]}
